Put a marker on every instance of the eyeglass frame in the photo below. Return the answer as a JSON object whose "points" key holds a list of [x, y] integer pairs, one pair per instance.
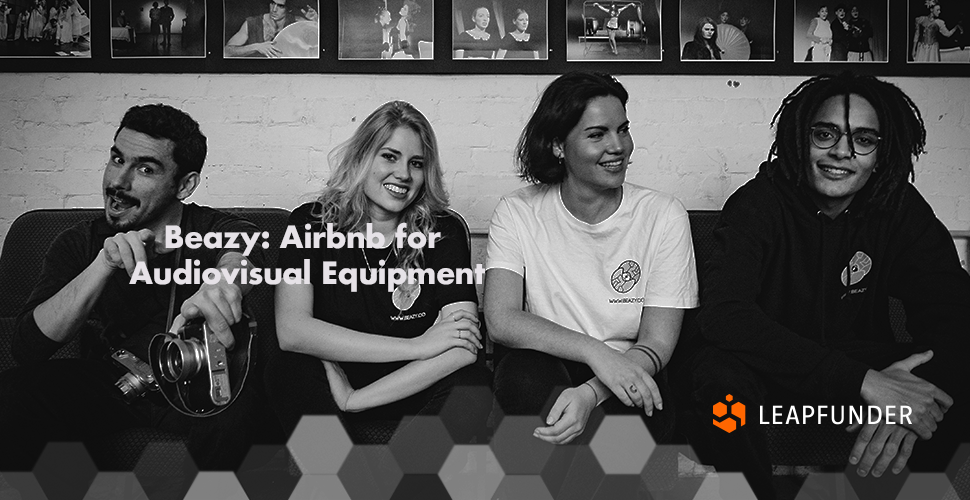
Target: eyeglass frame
{"points": [[838, 137]]}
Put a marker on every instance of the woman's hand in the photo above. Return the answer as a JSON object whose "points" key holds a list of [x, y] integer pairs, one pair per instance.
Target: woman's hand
{"points": [[568, 416], [339, 384], [629, 381], [458, 329]]}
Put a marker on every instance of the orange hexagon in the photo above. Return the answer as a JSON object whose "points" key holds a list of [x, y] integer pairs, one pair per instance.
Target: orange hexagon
{"points": [[720, 409]]}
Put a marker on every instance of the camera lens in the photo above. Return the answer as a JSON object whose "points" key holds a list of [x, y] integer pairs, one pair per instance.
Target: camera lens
{"points": [[181, 359]]}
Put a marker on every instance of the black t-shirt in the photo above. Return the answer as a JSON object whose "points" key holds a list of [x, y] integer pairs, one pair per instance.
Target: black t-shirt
{"points": [[370, 309], [127, 315]]}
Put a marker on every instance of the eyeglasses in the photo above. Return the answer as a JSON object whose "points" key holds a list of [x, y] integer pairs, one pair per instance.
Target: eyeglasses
{"points": [[862, 142]]}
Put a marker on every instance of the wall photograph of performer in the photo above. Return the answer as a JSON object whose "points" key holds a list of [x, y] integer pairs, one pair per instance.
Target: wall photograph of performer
{"points": [[388, 29], [613, 31], [727, 30], [157, 28], [45, 28], [937, 31], [836, 31], [499, 29], [272, 29]]}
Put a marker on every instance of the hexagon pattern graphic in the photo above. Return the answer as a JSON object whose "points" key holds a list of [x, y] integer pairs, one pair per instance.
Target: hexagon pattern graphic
{"points": [[725, 486], [370, 472], [729, 417], [517, 450], [319, 444], [826, 485], [925, 486], [572, 472], [622, 444], [423, 486], [471, 472], [320, 487], [456, 408], [65, 470], [959, 471], [662, 470], [421, 444], [268, 472], [165, 470], [20, 485], [210, 485], [523, 487], [887, 486], [115, 486]]}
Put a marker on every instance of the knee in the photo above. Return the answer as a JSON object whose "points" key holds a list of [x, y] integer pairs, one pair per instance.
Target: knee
{"points": [[525, 379], [716, 373]]}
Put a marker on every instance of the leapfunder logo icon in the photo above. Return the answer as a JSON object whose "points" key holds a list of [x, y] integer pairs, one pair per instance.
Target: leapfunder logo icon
{"points": [[729, 422]]}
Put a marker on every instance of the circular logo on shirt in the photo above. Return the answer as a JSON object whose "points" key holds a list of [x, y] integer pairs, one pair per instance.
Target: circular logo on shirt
{"points": [[404, 295], [626, 276], [858, 268]]}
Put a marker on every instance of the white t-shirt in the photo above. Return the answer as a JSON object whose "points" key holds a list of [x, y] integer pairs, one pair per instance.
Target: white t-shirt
{"points": [[596, 278]]}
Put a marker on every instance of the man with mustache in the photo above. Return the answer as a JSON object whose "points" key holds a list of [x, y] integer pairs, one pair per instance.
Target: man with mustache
{"points": [[85, 288]]}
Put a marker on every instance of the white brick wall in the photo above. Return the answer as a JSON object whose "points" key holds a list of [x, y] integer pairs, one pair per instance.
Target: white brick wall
{"points": [[697, 137]]}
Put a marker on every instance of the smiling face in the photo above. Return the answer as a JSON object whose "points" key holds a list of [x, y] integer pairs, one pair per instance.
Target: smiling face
{"points": [[481, 18], [836, 174], [522, 22], [139, 183], [396, 175], [708, 31], [596, 152]]}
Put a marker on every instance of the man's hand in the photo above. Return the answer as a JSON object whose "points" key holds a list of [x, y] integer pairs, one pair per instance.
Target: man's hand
{"points": [[125, 250], [309, 13], [630, 382], [568, 416], [896, 386], [878, 444], [221, 306], [268, 49], [340, 386]]}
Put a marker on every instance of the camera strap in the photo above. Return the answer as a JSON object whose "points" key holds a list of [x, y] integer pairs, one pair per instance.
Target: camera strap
{"points": [[171, 294]]}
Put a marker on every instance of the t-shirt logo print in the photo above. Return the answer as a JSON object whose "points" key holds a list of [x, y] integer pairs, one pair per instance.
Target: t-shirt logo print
{"points": [[858, 268], [404, 296], [626, 276]]}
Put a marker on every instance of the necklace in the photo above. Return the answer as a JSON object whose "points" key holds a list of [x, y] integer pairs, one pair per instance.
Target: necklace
{"points": [[383, 261]]}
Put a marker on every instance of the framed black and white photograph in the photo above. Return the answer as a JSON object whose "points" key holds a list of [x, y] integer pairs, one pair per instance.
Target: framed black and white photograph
{"points": [[158, 28], [500, 29], [270, 29], [727, 30], [841, 32], [937, 32], [388, 29], [613, 31], [45, 28]]}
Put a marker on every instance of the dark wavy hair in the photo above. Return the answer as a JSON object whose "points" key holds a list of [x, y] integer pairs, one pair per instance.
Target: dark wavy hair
{"points": [[162, 121], [699, 35], [902, 133], [560, 108]]}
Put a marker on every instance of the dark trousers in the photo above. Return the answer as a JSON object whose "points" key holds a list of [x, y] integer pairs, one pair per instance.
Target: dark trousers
{"points": [[528, 382], [297, 385], [76, 400], [713, 373]]}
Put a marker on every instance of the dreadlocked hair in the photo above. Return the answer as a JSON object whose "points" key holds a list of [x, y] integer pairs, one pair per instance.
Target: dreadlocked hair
{"points": [[343, 201], [902, 133]]}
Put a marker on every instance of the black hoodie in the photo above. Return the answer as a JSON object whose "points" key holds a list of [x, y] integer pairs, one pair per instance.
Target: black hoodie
{"points": [[775, 292]]}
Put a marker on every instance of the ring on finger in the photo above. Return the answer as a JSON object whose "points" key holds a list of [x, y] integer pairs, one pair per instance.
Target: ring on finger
{"points": [[633, 388]]}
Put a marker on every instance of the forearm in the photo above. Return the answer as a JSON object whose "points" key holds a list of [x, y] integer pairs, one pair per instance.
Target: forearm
{"points": [[60, 316], [318, 338], [240, 50], [409, 380], [523, 330]]}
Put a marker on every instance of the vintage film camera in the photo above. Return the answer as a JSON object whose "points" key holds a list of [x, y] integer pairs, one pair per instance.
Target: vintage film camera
{"points": [[139, 378], [195, 372]]}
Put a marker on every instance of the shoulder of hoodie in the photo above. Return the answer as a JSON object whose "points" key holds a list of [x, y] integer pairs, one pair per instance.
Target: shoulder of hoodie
{"points": [[758, 203]]}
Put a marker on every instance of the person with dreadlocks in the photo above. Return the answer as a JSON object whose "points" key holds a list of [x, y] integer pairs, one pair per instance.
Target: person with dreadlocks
{"points": [[795, 300]]}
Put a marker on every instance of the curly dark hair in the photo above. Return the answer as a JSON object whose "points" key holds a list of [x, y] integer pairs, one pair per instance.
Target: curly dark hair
{"points": [[902, 133], [560, 108], [162, 121]]}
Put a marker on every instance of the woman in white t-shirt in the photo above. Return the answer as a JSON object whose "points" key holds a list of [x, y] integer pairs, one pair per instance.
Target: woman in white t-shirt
{"points": [[588, 275]]}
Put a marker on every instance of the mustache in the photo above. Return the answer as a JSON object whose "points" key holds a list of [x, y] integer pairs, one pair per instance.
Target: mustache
{"points": [[116, 193]]}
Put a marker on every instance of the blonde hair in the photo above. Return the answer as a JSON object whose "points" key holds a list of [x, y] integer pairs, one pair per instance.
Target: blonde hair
{"points": [[343, 202]]}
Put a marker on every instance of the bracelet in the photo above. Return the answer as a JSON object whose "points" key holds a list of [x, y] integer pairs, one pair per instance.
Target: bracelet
{"points": [[595, 394], [654, 357]]}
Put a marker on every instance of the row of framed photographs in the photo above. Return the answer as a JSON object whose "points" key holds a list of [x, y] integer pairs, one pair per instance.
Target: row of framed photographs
{"points": [[395, 30]]}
